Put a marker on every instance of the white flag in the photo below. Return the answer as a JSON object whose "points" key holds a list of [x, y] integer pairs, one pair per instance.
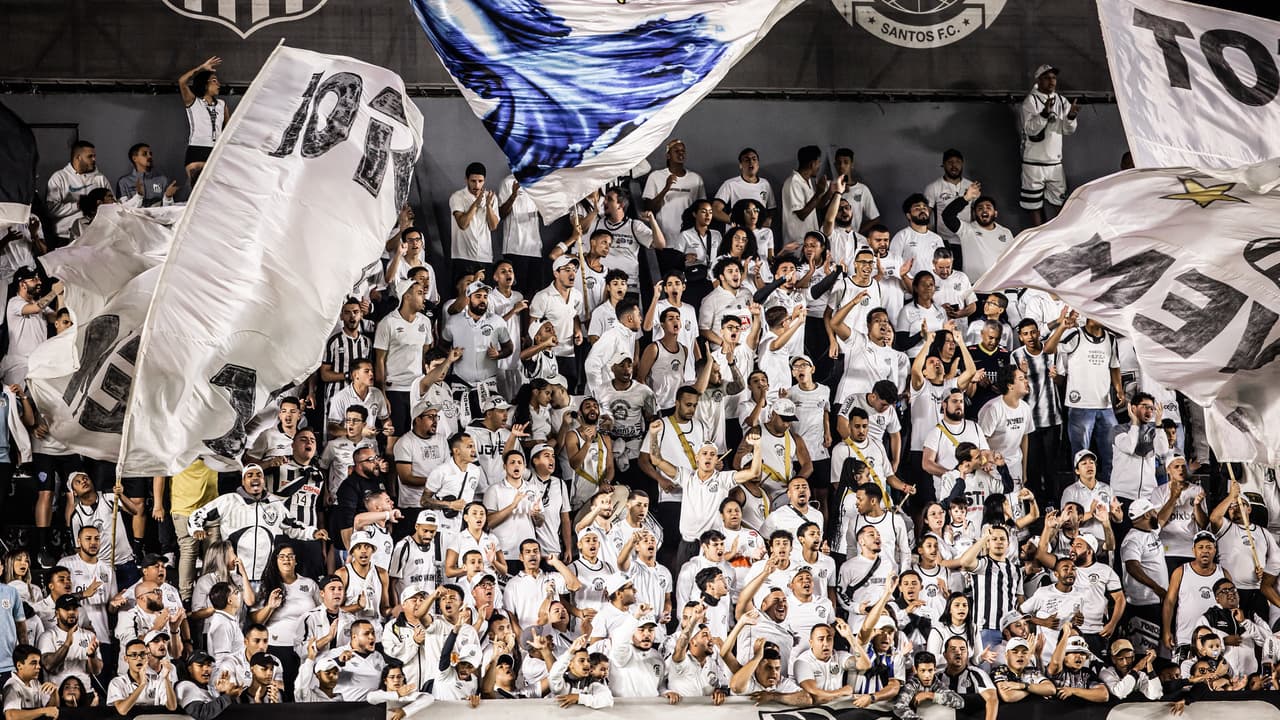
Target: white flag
{"points": [[295, 200], [79, 379], [1196, 85], [1182, 263]]}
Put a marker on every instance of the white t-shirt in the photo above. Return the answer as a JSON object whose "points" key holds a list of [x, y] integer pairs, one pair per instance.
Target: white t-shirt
{"points": [[1147, 550], [686, 189], [939, 194], [862, 203], [402, 340], [25, 331], [1087, 363], [422, 455], [476, 242], [521, 229], [1004, 427], [810, 408], [796, 193], [735, 189], [700, 509], [907, 243]]}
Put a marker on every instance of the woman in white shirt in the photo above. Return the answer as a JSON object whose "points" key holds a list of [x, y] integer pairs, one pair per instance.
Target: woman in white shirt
{"points": [[283, 599], [206, 112], [474, 537]]}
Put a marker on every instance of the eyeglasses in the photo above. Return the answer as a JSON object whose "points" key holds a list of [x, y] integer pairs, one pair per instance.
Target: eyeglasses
{"points": [[1146, 406], [135, 655], [1227, 590], [287, 556]]}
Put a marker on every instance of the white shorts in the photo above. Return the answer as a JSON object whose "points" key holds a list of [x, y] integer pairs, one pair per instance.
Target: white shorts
{"points": [[1041, 183]]}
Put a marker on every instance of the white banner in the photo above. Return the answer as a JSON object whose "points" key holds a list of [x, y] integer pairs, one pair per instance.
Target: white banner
{"points": [[80, 379], [119, 245], [1182, 263], [1196, 85], [297, 198], [579, 92]]}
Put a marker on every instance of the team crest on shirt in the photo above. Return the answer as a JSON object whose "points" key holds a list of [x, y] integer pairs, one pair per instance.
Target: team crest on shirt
{"points": [[486, 330], [269, 516], [920, 24], [6, 603], [1205, 593]]}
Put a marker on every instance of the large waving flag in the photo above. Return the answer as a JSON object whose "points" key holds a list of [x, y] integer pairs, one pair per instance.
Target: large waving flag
{"points": [[1183, 263], [577, 92], [297, 197], [1197, 86]]}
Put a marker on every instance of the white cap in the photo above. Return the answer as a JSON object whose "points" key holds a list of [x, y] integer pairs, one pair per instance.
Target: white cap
{"points": [[540, 447], [1140, 507], [469, 654], [155, 635], [360, 537], [427, 517], [1090, 540], [558, 379], [615, 582], [410, 591], [1077, 644], [783, 408], [1017, 643], [562, 261], [1081, 455], [327, 663], [496, 402], [1044, 69], [476, 286], [618, 357]]}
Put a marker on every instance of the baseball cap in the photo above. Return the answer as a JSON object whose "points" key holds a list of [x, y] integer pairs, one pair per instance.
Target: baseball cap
{"points": [[1044, 69], [200, 657], [330, 579], [469, 654], [1010, 618], [800, 358], [619, 357], [361, 538], [1140, 507], [486, 578], [263, 659], [540, 447], [647, 620], [1081, 455], [615, 582], [1016, 643], [1173, 456], [1076, 644], [425, 406], [562, 261], [1204, 535], [155, 635], [411, 591], [784, 408], [427, 517], [558, 379], [886, 621], [70, 601], [1090, 540], [497, 402], [505, 659], [1120, 646], [804, 569], [26, 272], [476, 286], [326, 664]]}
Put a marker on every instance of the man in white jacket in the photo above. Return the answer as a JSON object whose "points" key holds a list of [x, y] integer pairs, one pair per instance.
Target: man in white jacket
{"points": [[1045, 118], [73, 182]]}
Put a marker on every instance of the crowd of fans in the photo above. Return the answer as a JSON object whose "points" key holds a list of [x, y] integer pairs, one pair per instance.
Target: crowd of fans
{"points": [[713, 444]]}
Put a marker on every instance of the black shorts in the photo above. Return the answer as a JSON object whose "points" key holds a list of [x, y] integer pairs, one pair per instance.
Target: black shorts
{"points": [[196, 153], [400, 417], [137, 487], [52, 471]]}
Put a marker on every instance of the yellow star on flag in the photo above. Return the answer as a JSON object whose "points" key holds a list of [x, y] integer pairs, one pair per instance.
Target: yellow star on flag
{"points": [[1202, 195]]}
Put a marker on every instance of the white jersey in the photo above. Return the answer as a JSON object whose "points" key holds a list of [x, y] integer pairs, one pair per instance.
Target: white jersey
{"points": [[1005, 427], [668, 372], [736, 188], [370, 587], [939, 194], [99, 515], [629, 235], [414, 564], [909, 244], [205, 122], [1195, 596], [686, 189]]}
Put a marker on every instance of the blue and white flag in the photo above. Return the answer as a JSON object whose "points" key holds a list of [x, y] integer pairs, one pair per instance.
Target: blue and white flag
{"points": [[578, 92]]}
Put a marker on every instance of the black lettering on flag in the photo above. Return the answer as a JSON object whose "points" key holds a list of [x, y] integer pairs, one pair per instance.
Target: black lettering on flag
{"points": [[337, 126], [1214, 44], [1134, 275], [241, 384], [99, 390], [1167, 32], [1200, 325], [1249, 354], [289, 140], [1263, 255]]}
